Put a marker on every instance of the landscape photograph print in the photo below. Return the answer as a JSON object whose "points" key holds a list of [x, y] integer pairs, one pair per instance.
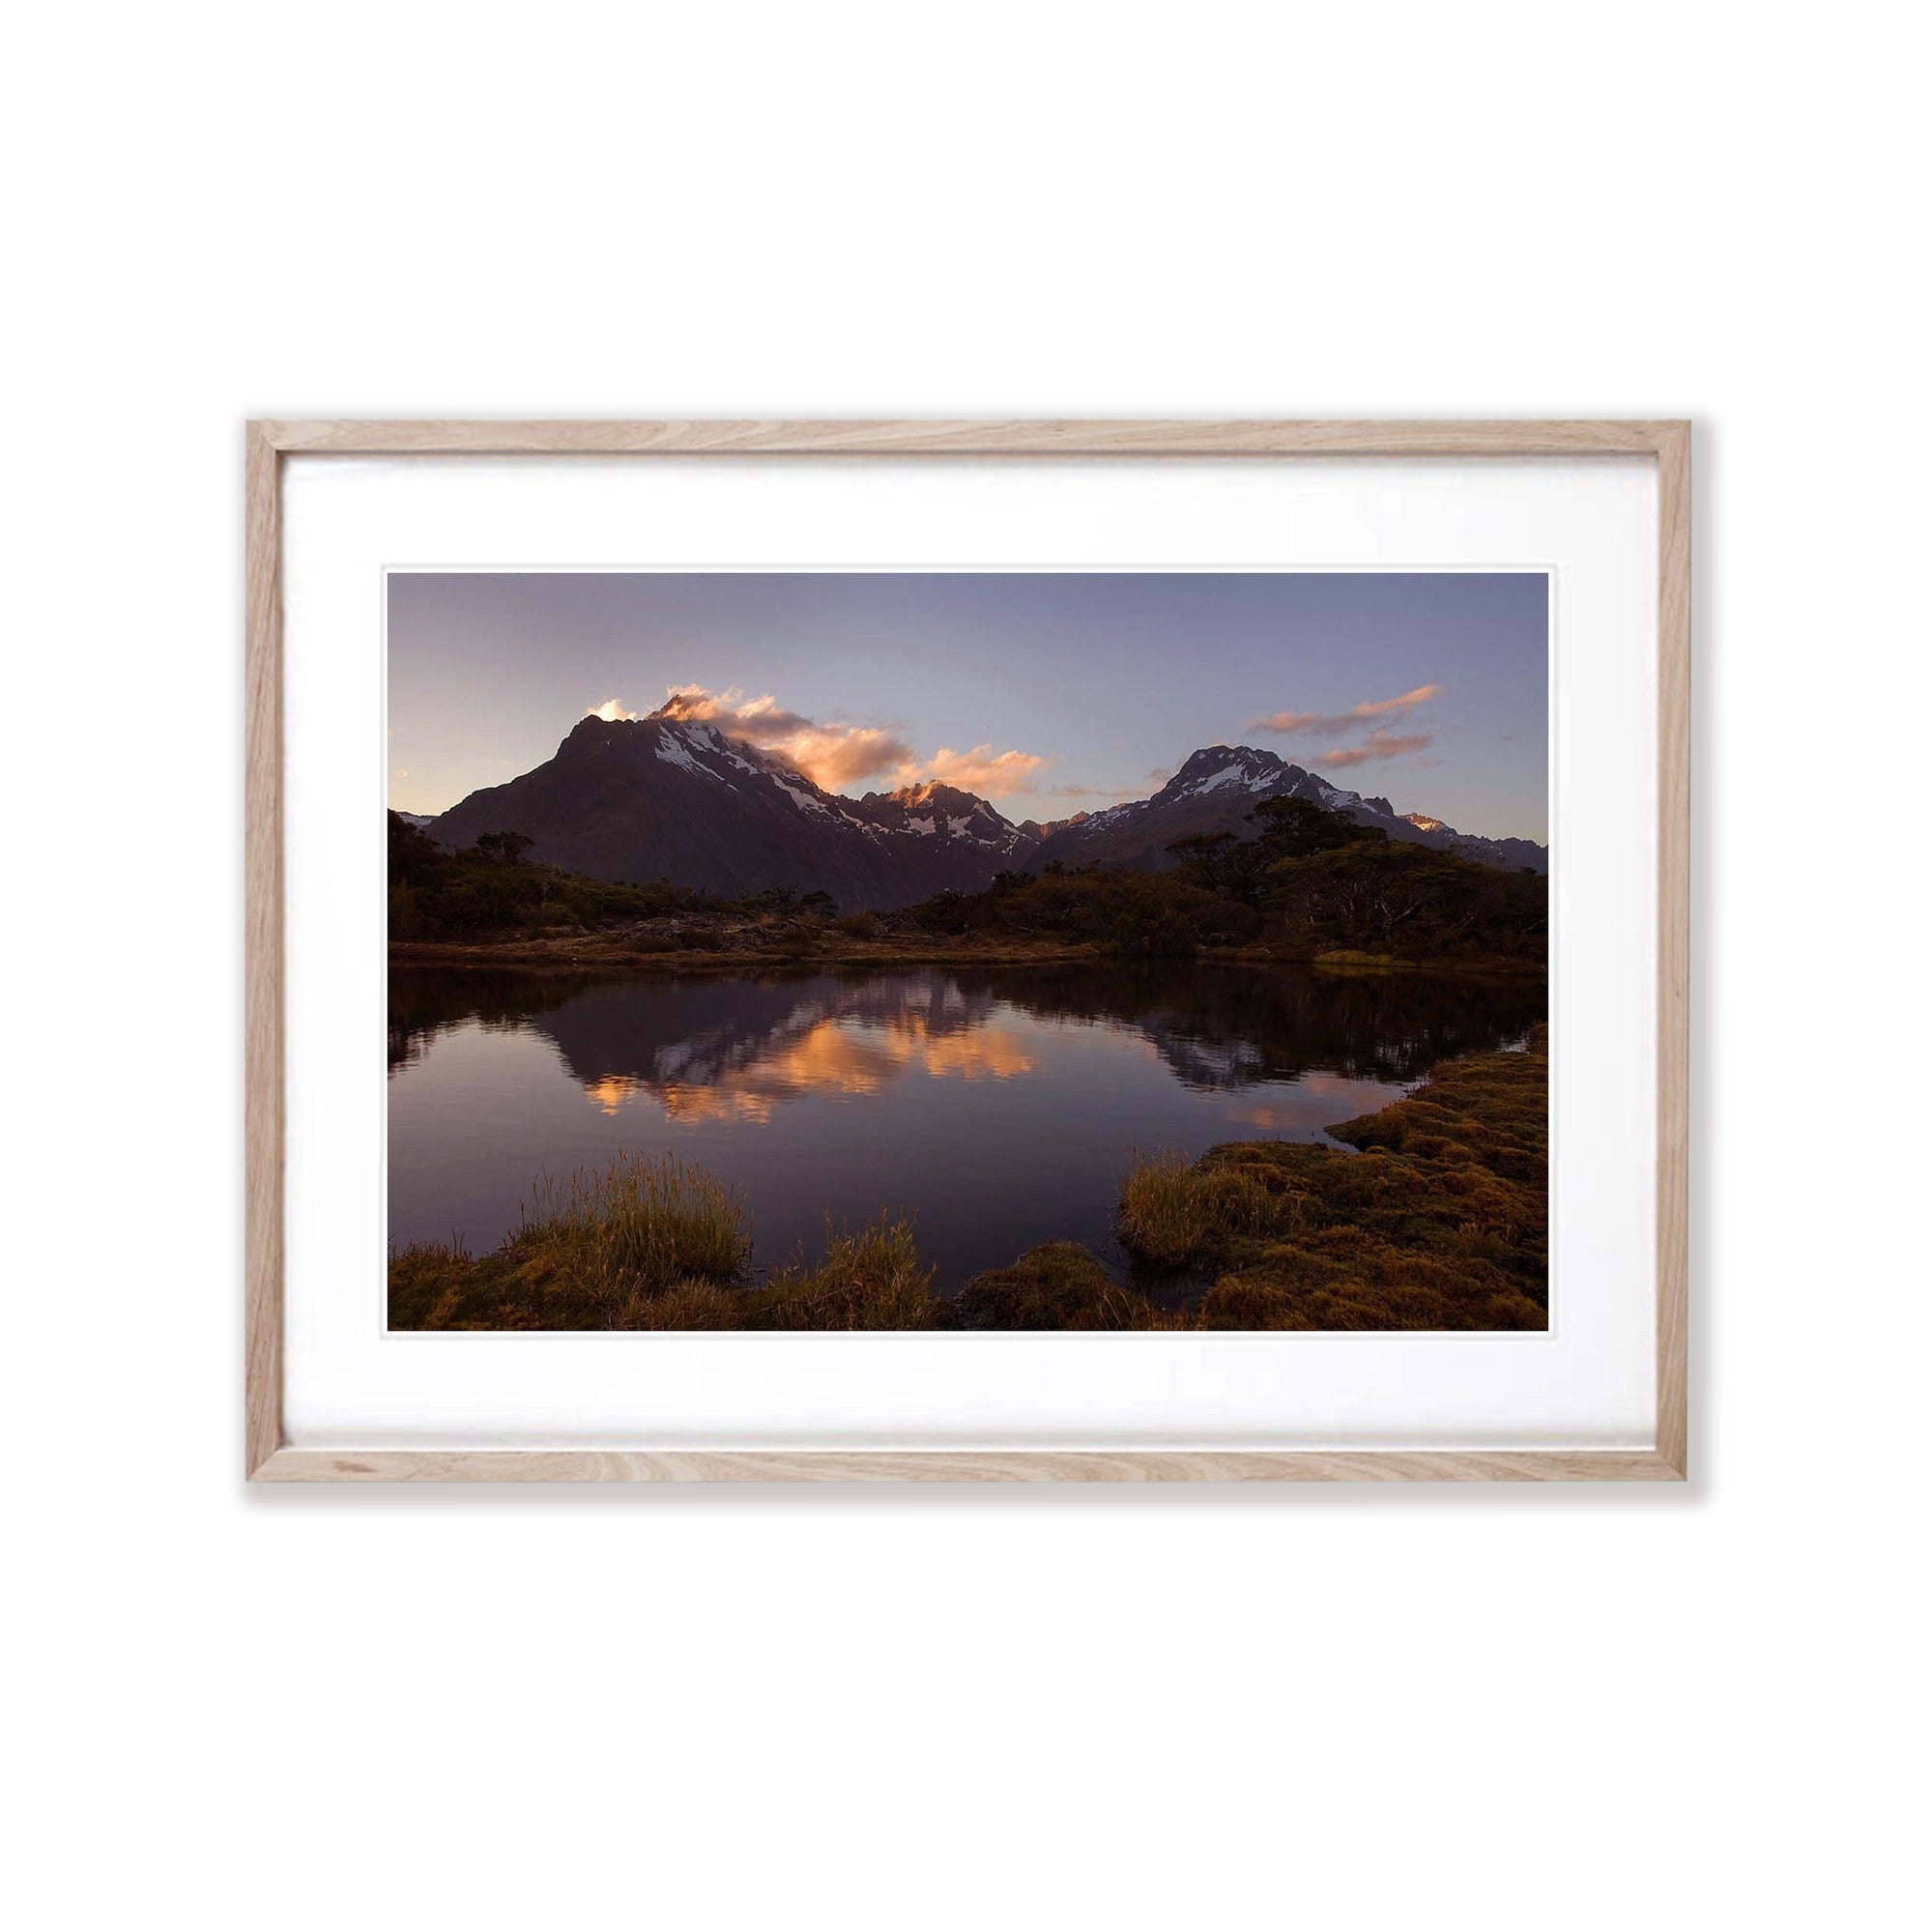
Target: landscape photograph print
{"points": [[967, 950]]}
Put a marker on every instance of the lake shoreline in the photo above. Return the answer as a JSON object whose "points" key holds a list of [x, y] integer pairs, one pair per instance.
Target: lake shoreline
{"points": [[602, 954]]}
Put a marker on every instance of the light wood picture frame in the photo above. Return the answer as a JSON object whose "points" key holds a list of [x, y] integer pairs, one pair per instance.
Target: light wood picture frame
{"points": [[268, 1455]]}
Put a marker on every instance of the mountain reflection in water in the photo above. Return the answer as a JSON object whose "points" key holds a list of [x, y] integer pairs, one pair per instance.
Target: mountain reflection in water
{"points": [[1000, 1106]]}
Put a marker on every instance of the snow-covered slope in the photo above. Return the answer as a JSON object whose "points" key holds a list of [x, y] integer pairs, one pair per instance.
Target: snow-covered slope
{"points": [[1216, 790]]}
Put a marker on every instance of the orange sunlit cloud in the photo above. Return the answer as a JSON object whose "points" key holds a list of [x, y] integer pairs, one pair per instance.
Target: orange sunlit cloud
{"points": [[829, 755], [979, 770], [1376, 747], [835, 756], [1292, 724]]}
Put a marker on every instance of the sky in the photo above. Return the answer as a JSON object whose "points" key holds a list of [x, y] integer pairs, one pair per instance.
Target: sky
{"points": [[1047, 692]]}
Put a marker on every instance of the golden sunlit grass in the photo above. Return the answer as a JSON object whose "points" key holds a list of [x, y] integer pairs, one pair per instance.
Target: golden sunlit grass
{"points": [[640, 1225], [1440, 1222], [1174, 1213]]}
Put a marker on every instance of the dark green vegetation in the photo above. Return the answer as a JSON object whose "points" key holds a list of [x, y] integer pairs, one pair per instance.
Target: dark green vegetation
{"points": [[1440, 1222], [1313, 885], [491, 888], [1312, 882]]}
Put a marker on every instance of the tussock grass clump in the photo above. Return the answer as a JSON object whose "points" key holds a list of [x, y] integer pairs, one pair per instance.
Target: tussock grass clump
{"points": [[868, 1279], [1442, 1220], [638, 1225], [1174, 1213], [1056, 1285], [595, 1251], [1165, 1214]]}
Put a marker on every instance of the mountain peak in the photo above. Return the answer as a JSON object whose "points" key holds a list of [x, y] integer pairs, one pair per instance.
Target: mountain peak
{"points": [[678, 708], [1217, 766], [935, 794], [936, 810]]}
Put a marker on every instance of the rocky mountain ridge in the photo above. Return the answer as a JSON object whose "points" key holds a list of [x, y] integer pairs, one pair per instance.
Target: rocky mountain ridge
{"points": [[678, 798]]}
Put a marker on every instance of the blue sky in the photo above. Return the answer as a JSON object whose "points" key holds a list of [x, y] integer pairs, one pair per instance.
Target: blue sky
{"points": [[1049, 693]]}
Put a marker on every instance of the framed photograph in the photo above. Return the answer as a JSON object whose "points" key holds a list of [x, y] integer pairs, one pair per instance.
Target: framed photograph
{"points": [[968, 951]]}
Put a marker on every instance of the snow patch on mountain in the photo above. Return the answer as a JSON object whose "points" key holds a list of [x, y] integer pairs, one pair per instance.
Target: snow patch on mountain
{"points": [[672, 751], [1227, 774], [803, 800]]}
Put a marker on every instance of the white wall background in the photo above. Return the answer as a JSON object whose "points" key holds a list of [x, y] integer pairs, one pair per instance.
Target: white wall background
{"points": [[1335, 1708]]}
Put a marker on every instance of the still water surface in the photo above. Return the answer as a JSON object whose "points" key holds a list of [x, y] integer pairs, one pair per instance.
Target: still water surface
{"points": [[1000, 1107]]}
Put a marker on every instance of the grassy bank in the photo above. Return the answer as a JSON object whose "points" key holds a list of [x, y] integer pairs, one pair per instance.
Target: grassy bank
{"points": [[1438, 1222]]}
